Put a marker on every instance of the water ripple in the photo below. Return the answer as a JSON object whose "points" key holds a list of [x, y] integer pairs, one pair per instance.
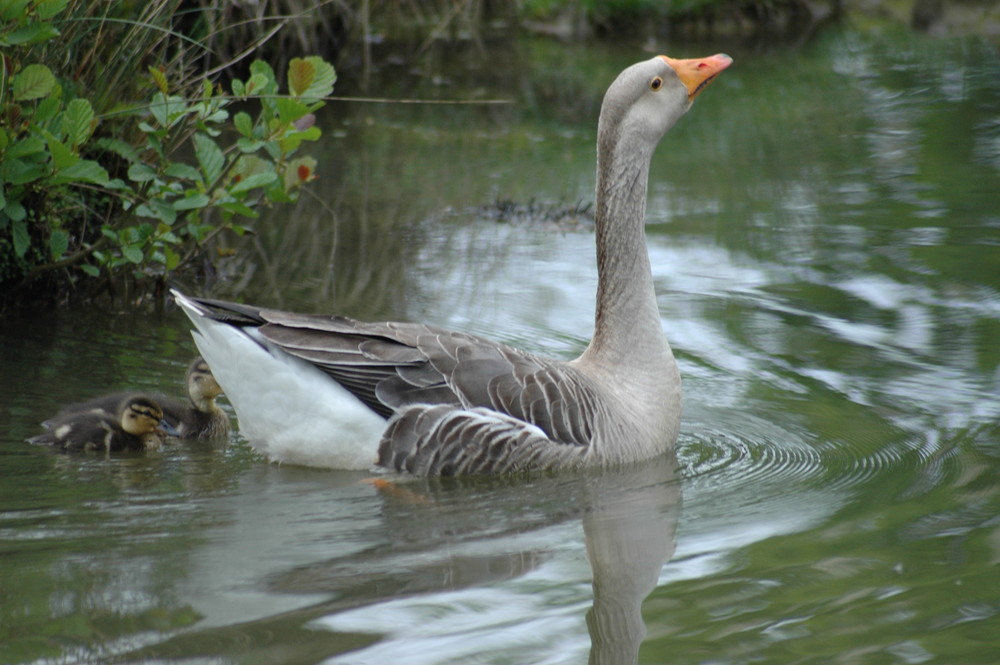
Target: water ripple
{"points": [[748, 456], [775, 461]]}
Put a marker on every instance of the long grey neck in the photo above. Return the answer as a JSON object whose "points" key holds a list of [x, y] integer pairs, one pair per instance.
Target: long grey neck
{"points": [[628, 334]]}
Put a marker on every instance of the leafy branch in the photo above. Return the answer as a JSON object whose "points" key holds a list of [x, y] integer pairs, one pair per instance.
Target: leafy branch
{"points": [[103, 192]]}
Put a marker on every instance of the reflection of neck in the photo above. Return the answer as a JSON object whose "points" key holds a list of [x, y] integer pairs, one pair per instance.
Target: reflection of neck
{"points": [[629, 535]]}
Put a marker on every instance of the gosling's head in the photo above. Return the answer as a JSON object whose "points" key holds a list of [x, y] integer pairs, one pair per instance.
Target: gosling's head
{"points": [[201, 384], [140, 415]]}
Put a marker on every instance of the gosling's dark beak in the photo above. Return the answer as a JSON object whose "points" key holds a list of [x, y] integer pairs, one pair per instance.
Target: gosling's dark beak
{"points": [[169, 429]]}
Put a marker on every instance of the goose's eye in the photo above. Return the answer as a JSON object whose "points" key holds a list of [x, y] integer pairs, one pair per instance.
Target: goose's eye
{"points": [[656, 84]]}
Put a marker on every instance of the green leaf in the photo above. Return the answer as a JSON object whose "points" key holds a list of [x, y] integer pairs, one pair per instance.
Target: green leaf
{"points": [[218, 116], [277, 194], [46, 9], [254, 181], [248, 145], [167, 109], [210, 158], [247, 165], [132, 253], [120, 148], [301, 74], [320, 84], [58, 243], [13, 9], [159, 78], [140, 233], [238, 208], [78, 122], [192, 202], [21, 239], [260, 68], [290, 110], [49, 107], [141, 173], [257, 85], [93, 271], [171, 258], [84, 170], [291, 141], [118, 184], [33, 33], [182, 172], [4, 139], [62, 156], [32, 82], [20, 172], [157, 209], [244, 124], [197, 231], [15, 211], [30, 146]]}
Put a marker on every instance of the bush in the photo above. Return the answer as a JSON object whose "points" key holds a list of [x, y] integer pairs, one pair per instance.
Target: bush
{"points": [[90, 182]]}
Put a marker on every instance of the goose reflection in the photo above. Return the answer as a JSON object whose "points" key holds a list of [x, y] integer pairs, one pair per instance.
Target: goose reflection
{"points": [[430, 571], [629, 533], [629, 518]]}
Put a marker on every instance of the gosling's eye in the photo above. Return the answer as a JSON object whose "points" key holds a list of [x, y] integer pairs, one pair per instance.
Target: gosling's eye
{"points": [[656, 84]]}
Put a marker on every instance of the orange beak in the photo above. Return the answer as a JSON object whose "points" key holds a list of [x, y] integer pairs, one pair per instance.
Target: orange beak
{"points": [[697, 73]]}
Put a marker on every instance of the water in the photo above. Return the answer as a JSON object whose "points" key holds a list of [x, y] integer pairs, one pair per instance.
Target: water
{"points": [[824, 229]]}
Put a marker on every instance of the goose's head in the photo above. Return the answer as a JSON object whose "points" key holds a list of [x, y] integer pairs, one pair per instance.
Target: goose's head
{"points": [[143, 417], [201, 384], [650, 96]]}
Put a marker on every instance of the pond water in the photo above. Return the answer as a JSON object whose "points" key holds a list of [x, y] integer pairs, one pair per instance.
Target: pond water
{"points": [[824, 229]]}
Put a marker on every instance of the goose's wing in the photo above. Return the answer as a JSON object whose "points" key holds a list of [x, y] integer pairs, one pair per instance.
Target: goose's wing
{"points": [[392, 367], [442, 440]]}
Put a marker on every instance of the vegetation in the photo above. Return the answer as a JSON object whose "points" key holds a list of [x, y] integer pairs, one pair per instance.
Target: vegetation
{"points": [[110, 167]]}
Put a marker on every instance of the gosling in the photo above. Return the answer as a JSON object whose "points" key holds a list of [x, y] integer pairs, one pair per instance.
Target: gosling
{"points": [[199, 418], [137, 425]]}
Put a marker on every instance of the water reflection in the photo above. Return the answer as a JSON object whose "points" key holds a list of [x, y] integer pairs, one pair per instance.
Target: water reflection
{"points": [[629, 519], [629, 534]]}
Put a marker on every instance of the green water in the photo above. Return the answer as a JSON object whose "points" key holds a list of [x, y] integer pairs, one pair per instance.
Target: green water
{"points": [[825, 238]]}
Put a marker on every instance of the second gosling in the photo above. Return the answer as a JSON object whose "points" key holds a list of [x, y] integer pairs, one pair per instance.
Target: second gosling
{"points": [[137, 424], [201, 418]]}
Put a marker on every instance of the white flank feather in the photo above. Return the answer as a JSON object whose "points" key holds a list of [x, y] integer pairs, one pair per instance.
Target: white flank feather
{"points": [[289, 410]]}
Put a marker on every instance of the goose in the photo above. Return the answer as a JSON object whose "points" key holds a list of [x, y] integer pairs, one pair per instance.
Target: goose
{"points": [[330, 391], [137, 424], [199, 418]]}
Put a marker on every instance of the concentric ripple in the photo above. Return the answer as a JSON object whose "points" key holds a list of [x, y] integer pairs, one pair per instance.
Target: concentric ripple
{"points": [[766, 460], [759, 451]]}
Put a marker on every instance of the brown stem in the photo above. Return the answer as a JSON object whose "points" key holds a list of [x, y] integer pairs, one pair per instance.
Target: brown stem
{"points": [[76, 257]]}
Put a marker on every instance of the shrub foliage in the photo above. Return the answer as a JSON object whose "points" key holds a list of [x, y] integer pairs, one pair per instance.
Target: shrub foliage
{"points": [[97, 107]]}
